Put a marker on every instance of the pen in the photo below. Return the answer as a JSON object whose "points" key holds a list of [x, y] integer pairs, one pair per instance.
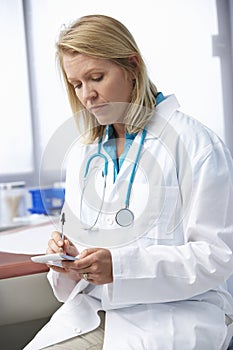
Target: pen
{"points": [[62, 231], [62, 221]]}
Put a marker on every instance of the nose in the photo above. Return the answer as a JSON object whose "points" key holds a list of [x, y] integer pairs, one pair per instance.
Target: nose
{"points": [[88, 93]]}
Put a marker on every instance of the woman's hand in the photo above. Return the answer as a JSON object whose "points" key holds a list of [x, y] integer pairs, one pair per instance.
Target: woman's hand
{"points": [[57, 245], [95, 264]]}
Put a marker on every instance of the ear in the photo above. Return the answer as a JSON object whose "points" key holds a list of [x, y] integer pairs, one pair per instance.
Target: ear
{"points": [[134, 60]]}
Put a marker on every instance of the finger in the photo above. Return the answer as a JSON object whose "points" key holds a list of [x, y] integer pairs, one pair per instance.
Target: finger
{"points": [[74, 265], [92, 278], [92, 256], [53, 247], [56, 236], [49, 250], [87, 276], [70, 248], [87, 252], [56, 244], [64, 245], [83, 263]]}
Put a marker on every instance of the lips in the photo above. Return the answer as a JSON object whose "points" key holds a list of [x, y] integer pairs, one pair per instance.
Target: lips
{"points": [[97, 108]]}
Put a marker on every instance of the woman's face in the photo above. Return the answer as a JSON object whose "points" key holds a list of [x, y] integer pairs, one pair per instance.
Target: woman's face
{"points": [[99, 84]]}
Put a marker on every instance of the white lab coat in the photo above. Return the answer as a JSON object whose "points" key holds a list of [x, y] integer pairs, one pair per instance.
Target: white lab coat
{"points": [[169, 289]]}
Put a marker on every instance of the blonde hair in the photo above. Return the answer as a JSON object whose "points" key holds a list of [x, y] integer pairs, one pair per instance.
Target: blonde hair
{"points": [[104, 37]]}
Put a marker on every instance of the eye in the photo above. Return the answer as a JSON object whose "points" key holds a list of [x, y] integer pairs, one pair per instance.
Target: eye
{"points": [[77, 86], [99, 78]]}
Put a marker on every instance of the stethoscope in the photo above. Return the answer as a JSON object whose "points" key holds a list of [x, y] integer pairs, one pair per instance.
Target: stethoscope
{"points": [[124, 216]]}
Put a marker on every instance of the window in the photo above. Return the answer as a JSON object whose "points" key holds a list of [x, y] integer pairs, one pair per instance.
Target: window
{"points": [[177, 45], [15, 133]]}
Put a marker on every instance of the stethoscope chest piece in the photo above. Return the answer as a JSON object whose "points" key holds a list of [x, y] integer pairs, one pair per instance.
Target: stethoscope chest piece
{"points": [[124, 217]]}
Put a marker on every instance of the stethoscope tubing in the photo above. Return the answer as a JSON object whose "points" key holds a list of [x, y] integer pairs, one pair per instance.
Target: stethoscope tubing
{"points": [[124, 216]]}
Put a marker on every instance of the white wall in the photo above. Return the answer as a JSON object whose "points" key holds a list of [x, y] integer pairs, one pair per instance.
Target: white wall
{"points": [[175, 38]]}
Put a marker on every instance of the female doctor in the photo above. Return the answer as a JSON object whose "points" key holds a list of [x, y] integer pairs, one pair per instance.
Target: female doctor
{"points": [[149, 200]]}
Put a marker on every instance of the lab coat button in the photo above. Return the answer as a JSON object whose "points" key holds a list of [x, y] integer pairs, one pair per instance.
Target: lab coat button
{"points": [[77, 330], [110, 220]]}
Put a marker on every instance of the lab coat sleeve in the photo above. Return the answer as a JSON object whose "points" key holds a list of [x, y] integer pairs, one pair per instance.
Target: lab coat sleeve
{"points": [[61, 285], [160, 273]]}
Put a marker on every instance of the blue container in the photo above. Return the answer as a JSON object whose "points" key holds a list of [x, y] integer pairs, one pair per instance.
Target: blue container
{"points": [[48, 201]]}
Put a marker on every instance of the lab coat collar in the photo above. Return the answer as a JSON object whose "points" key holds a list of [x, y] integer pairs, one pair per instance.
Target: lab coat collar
{"points": [[160, 119], [163, 112], [162, 115], [110, 134]]}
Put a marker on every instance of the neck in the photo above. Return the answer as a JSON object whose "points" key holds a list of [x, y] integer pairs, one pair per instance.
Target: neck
{"points": [[119, 130], [120, 138]]}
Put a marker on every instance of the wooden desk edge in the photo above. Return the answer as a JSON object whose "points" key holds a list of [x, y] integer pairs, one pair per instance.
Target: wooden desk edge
{"points": [[16, 265]]}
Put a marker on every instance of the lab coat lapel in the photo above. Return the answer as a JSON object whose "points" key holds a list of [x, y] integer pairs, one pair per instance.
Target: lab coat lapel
{"points": [[159, 121], [126, 168]]}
